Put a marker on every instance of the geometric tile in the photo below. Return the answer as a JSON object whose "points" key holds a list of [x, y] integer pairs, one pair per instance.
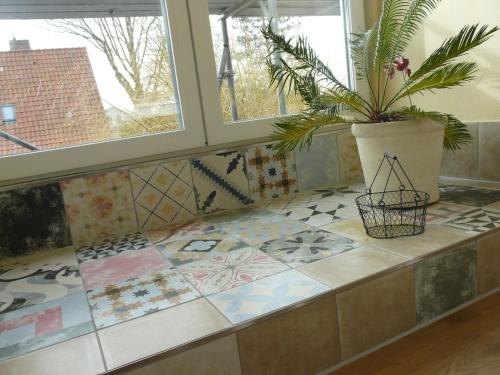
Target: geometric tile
{"points": [[270, 173], [318, 165], [112, 246], [474, 221], [99, 206], [320, 213], [222, 272], [103, 272], [220, 182], [266, 229], [346, 195], [199, 247], [470, 196], [440, 211], [38, 278], [445, 281], [163, 194], [307, 247], [233, 220], [32, 219], [139, 296], [266, 295], [45, 324]]}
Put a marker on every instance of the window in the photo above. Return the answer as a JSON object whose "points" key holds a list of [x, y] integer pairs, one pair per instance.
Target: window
{"points": [[104, 83], [8, 114]]}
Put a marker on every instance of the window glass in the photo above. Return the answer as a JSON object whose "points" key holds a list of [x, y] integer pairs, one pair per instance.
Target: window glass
{"points": [[8, 114], [240, 50], [87, 78]]}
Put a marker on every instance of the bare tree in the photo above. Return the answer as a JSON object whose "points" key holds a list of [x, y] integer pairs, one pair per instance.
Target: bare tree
{"points": [[135, 48]]}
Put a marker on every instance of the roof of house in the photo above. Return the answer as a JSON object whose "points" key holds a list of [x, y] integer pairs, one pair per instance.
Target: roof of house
{"points": [[56, 99]]}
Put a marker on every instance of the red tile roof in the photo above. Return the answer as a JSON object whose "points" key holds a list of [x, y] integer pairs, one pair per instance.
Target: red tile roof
{"points": [[55, 96]]}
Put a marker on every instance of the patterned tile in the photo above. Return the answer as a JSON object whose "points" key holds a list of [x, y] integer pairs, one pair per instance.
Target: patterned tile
{"points": [[270, 174], [38, 278], [32, 219], [220, 182], [222, 272], [112, 246], [45, 324], [200, 247], [468, 195], [321, 213], [266, 295], [130, 264], [307, 247], [257, 232], [139, 296], [99, 206], [232, 220], [179, 231], [346, 195], [163, 194], [442, 211], [475, 220], [445, 281], [318, 165]]}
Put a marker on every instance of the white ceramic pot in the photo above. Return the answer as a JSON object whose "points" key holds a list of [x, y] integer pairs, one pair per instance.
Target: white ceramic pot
{"points": [[418, 144]]}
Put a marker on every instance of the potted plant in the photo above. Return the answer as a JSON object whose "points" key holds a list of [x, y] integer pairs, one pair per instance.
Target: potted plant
{"points": [[382, 122]]}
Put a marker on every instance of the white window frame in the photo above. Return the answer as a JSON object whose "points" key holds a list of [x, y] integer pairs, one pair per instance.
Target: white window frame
{"points": [[48, 162], [199, 103], [218, 131]]}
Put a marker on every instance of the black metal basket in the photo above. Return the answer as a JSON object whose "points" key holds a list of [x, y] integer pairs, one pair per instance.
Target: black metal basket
{"points": [[395, 213]]}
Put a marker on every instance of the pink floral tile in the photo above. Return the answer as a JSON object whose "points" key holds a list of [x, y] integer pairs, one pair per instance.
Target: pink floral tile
{"points": [[128, 265], [99, 206], [223, 272]]}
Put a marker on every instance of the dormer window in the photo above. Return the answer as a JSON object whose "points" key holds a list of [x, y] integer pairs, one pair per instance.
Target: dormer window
{"points": [[8, 114]]}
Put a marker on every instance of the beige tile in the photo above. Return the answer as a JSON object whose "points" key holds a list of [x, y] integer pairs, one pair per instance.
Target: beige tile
{"points": [[489, 151], [488, 263], [303, 341], [219, 357], [434, 238], [351, 266], [493, 207], [463, 163], [79, 356], [350, 165], [152, 334], [376, 311]]}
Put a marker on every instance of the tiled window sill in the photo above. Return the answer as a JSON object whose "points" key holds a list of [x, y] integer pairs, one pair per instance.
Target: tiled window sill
{"points": [[244, 273]]}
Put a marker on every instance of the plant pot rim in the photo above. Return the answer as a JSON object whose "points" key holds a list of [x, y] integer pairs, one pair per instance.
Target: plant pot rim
{"points": [[396, 128]]}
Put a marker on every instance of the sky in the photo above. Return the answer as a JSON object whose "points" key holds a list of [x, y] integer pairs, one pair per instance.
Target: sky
{"points": [[325, 34]]}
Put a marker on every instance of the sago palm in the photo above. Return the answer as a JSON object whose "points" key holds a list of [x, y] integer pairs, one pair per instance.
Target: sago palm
{"points": [[377, 55]]}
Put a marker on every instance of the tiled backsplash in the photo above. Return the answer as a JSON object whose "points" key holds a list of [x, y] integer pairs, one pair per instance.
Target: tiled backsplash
{"points": [[144, 198], [479, 160]]}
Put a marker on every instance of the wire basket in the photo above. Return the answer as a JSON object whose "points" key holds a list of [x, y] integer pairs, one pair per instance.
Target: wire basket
{"points": [[393, 213]]}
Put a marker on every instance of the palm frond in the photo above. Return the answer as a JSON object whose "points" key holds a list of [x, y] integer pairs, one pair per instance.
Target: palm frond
{"points": [[301, 52], [456, 133], [442, 78], [468, 38], [347, 100], [298, 130]]}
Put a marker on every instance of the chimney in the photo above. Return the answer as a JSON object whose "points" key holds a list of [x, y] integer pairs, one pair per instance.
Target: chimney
{"points": [[19, 45]]}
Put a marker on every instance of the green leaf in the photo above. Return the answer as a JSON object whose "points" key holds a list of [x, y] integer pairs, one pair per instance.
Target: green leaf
{"points": [[456, 133], [468, 38], [298, 130]]}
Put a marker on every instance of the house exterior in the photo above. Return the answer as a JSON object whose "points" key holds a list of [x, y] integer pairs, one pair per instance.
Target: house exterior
{"points": [[49, 98]]}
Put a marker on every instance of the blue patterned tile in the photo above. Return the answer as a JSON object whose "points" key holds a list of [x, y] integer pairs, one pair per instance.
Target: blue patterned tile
{"points": [[264, 296], [32, 219], [220, 182], [319, 165], [45, 324], [139, 296]]}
